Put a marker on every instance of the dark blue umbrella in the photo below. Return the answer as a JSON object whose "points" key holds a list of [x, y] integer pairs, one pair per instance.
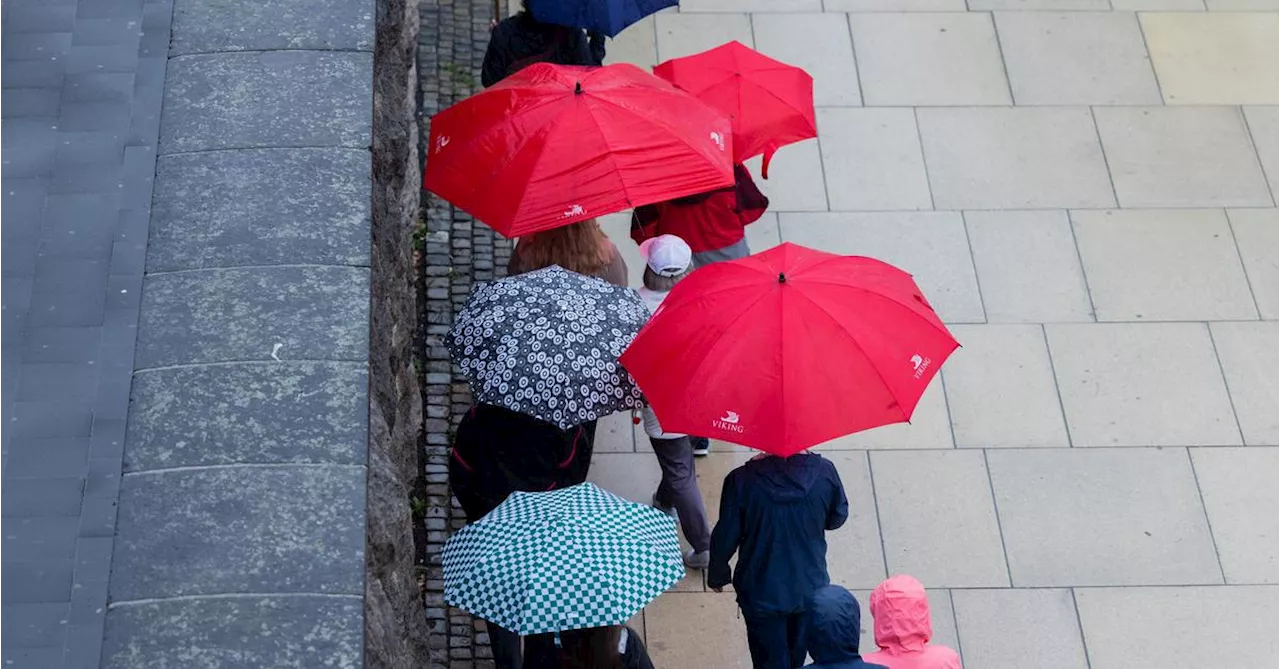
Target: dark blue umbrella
{"points": [[603, 16]]}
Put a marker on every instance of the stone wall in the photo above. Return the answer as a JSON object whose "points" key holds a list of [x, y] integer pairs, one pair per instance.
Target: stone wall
{"points": [[242, 513], [457, 251], [395, 624]]}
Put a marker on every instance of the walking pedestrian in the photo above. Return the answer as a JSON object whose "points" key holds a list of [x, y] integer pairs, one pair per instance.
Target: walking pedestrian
{"points": [[497, 452], [713, 224], [832, 629], [521, 40], [774, 513], [580, 247], [668, 260], [900, 607], [613, 647]]}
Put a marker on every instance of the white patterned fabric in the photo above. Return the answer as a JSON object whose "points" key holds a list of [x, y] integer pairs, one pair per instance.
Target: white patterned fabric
{"points": [[546, 343], [561, 560]]}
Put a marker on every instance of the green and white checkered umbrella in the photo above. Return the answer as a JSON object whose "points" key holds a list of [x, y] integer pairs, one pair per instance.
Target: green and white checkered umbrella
{"points": [[561, 560]]}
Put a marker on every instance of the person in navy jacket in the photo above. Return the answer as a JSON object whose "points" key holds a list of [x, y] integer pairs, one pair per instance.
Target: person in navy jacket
{"points": [[774, 513]]}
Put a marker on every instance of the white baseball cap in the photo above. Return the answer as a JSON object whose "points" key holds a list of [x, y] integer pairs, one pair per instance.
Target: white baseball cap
{"points": [[666, 255]]}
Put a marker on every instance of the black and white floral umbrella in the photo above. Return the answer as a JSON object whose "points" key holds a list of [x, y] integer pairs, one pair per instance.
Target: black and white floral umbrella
{"points": [[546, 343]]}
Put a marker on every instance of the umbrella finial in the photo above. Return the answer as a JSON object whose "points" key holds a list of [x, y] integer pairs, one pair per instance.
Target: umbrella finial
{"points": [[782, 278], [577, 88]]}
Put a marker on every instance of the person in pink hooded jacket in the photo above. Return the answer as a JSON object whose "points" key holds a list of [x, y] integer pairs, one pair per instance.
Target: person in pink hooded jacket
{"points": [[901, 611]]}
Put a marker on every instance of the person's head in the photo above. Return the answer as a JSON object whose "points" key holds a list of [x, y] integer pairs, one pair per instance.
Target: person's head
{"points": [[579, 247], [833, 623], [901, 611], [667, 260], [591, 648]]}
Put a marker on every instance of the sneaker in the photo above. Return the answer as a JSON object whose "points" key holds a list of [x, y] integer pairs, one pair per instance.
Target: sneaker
{"points": [[669, 510], [697, 560], [701, 446]]}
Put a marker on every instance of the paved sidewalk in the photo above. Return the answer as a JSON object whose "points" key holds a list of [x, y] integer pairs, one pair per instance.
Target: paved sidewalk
{"points": [[1086, 191], [81, 116]]}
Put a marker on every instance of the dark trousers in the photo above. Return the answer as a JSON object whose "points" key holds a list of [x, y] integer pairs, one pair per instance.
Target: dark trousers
{"points": [[679, 489], [775, 641], [505, 645]]}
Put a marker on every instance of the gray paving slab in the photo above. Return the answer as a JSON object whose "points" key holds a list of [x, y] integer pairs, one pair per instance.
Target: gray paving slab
{"points": [[39, 625], [69, 98], [1263, 123], [1181, 157], [1257, 233], [255, 631], [280, 313], [244, 25], [271, 412], [871, 160], [261, 207], [1162, 265], [948, 537], [1017, 628], [251, 100], [1116, 516], [1142, 384], [284, 529], [1028, 267], [1238, 486], [41, 497], [1248, 353], [1126, 628]]}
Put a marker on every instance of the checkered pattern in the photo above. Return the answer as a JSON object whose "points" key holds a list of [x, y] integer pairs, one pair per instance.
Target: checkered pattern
{"points": [[566, 559]]}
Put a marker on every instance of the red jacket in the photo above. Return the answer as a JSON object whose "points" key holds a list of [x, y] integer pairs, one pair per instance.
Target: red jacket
{"points": [[707, 221]]}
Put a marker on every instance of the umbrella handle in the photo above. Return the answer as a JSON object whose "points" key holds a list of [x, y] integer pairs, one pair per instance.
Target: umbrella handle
{"points": [[497, 10], [764, 164]]}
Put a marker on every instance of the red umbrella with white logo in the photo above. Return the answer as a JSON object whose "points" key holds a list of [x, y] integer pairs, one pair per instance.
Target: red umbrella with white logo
{"points": [[552, 145], [788, 348]]}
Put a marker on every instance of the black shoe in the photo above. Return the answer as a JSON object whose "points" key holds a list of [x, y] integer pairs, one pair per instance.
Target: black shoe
{"points": [[701, 446]]}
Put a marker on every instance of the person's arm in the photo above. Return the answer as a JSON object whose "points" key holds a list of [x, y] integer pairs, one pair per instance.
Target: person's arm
{"points": [[644, 221], [726, 536], [838, 507], [751, 203]]}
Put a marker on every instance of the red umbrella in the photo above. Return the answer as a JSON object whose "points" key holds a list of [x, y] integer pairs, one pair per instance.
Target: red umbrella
{"points": [[554, 144], [788, 348], [769, 102]]}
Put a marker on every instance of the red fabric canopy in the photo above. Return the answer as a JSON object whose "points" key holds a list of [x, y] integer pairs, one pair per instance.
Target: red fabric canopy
{"points": [[769, 102], [788, 348], [553, 144]]}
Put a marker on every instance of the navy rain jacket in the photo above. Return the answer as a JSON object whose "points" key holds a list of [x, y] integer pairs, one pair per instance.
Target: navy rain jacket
{"points": [[774, 512], [831, 630]]}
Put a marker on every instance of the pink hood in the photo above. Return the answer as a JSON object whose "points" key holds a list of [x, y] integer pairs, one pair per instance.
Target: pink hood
{"points": [[901, 611]]}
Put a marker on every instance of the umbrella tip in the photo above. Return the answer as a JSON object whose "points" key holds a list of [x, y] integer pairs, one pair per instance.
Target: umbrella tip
{"points": [[782, 278], [577, 88]]}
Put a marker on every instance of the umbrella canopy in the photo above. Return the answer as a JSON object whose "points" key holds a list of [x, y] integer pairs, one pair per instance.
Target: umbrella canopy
{"points": [[546, 343], [554, 144], [561, 560], [789, 348], [603, 16], [769, 102]]}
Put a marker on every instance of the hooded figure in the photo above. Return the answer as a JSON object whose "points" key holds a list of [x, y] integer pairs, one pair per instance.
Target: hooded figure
{"points": [[774, 513], [901, 611], [831, 630]]}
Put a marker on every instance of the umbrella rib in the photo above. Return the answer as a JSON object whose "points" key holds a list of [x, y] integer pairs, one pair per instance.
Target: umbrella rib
{"points": [[604, 137]]}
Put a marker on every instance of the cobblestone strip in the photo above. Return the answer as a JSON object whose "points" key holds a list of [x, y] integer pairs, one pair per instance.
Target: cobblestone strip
{"points": [[455, 252]]}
